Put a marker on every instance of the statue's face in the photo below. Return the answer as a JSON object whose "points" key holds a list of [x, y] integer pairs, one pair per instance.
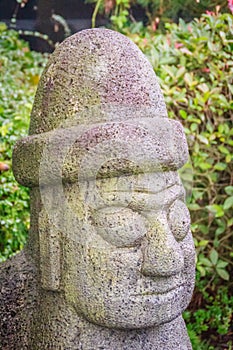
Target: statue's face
{"points": [[132, 263]]}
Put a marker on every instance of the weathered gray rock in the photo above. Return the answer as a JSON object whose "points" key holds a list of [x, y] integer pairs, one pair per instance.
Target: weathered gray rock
{"points": [[110, 259]]}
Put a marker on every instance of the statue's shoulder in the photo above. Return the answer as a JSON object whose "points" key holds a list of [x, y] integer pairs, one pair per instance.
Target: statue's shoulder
{"points": [[17, 301]]}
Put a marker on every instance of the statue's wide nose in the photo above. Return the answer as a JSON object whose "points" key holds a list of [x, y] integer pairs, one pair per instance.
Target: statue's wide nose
{"points": [[162, 253]]}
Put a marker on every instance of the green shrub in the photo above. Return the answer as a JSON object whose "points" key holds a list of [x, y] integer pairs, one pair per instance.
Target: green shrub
{"points": [[156, 12], [19, 74], [210, 317], [195, 69]]}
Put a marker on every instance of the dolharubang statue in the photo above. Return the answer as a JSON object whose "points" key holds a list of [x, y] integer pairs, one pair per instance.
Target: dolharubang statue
{"points": [[109, 263]]}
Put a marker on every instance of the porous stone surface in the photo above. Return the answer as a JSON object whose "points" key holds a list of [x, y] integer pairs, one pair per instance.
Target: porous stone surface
{"points": [[95, 69], [110, 260]]}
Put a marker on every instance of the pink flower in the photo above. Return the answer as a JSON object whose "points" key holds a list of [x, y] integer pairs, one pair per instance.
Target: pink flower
{"points": [[153, 26], [205, 70], [230, 5], [178, 45], [210, 13]]}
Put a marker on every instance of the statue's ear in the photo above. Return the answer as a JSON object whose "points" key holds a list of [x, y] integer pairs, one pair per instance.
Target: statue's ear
{"points": [[50, 253]]}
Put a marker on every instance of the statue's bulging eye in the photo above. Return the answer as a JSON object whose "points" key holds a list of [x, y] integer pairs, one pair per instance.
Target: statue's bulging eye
{"points": [[121, 227], [179, 220]]}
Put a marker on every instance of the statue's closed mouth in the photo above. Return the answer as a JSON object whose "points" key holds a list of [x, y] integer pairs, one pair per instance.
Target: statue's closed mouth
{"points": [[161, 297]]}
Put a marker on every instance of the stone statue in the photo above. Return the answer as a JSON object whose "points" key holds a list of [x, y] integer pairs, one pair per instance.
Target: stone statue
{"points": [[110, 260]]}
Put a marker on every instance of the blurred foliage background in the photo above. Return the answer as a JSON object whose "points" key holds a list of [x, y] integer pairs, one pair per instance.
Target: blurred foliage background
{"points": [[194, 64], [20, 70]]}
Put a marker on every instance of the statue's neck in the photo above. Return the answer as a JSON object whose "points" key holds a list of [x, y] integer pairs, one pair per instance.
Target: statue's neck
{"points": [[169, 336], [62, 328]]}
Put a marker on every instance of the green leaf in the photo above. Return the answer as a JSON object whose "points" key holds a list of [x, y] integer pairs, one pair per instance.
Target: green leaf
{"points": [[3, 26], [188, 78], [229, 190], [228, 203], [228, 158], [211, 46], [223, 99], [204, 166], [216, 209], [221, 264], [180, 72], [203, 87], [220, 166], [220, 230], [206, 262], [202, 270], [204, 229], [203, 139], [222, 35], [223, 274], [194, 206], [230, 222], [223, 149], [203, 243], [193, 127], [169, 71], [183, 114], [214, 256]]}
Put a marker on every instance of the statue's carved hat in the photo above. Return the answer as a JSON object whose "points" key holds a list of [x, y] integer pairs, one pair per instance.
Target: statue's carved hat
{"points": [[98, 97]]}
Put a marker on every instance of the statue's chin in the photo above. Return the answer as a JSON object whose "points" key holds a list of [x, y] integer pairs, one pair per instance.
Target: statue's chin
{"points": [[138, 311]]}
